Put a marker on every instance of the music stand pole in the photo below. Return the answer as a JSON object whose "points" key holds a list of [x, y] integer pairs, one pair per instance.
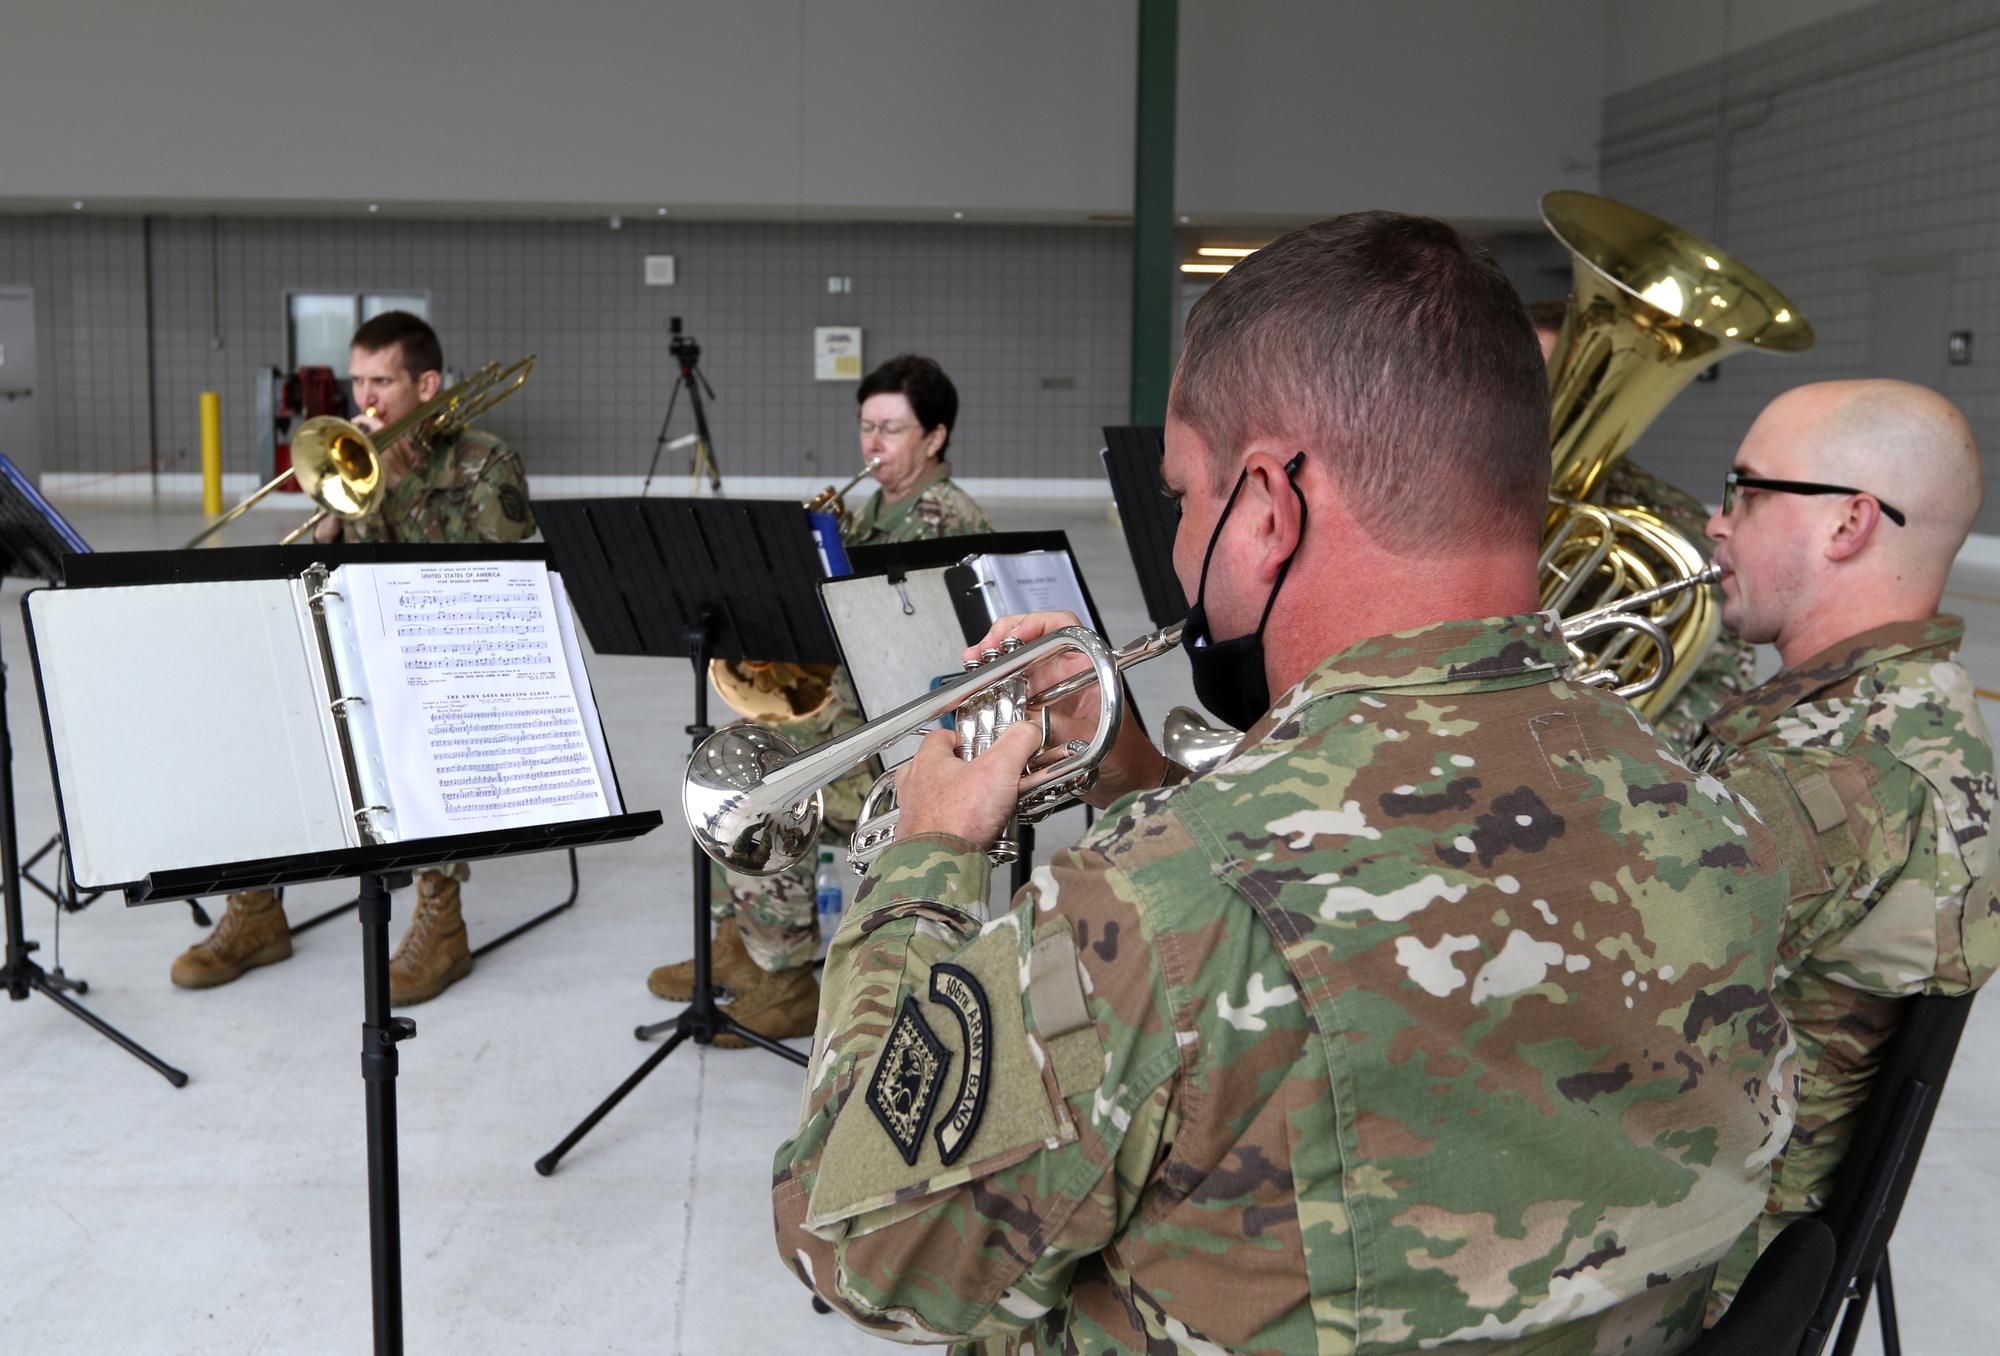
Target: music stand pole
{"points": [[380, 1033], [20, 976], [703, 1019]]}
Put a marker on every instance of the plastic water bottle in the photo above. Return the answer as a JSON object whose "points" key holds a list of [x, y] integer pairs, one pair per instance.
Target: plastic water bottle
{"points": [[831, 885]]}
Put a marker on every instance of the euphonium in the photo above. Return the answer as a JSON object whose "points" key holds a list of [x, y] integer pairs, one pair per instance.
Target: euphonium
{"points": [[339, 464], [1650, 307], [760, 690]]}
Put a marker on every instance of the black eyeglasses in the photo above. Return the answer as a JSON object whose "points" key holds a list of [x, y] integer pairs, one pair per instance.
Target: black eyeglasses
{"points": [[1732, 480]]}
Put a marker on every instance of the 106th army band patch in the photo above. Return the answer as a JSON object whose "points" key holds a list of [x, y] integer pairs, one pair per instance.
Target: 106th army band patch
{"points": [[904, 1090], [959, 991]]}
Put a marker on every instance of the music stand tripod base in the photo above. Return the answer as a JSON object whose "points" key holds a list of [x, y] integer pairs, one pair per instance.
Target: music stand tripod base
{"points": [[703, 1019]]}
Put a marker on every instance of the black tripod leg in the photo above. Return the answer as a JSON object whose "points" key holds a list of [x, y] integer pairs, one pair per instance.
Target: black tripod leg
{"points": [[379, 1034], [546, 1164], [49, 990]]}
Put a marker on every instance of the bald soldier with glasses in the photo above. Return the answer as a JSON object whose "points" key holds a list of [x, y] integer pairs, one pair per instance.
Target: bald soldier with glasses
{"points": [[1865, 755]]}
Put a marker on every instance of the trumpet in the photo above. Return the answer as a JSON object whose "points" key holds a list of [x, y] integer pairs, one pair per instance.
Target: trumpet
{"points": [[339, 464], [754, 802], [830, 500]]}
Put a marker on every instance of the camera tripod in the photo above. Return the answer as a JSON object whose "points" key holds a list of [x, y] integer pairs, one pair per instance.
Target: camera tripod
{"points": [[687, 353]]}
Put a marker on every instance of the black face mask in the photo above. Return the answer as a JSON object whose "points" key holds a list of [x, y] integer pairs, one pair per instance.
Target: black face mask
{"points": [[1229, 674]]}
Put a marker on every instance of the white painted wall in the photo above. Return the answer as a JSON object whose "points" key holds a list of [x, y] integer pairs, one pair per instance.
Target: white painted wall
{"points": [[751, 107], [1649, 39], [1299, 109], [897, 109]]}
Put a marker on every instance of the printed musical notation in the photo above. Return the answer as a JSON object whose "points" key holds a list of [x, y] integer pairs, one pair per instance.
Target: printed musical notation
{"points": [[471, 684], [510, 758]]}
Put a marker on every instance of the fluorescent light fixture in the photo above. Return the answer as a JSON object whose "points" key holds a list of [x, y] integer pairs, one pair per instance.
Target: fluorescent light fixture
{"points": [[1206, 268], [1218, 252]]}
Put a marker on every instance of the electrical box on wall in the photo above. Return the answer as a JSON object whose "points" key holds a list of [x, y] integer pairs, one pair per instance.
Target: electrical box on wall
{"points": [[837, 353], [659, 270]]}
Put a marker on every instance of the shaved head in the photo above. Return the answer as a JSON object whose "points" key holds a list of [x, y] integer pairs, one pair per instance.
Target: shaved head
{"points": [[1812, 570]]}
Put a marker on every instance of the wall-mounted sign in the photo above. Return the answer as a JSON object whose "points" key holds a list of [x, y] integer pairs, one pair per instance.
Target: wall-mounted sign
{"points": [[659, 270], [837, 353]]}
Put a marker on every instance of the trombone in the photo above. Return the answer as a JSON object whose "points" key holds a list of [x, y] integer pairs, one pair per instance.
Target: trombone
{"points": [[339, 464]]}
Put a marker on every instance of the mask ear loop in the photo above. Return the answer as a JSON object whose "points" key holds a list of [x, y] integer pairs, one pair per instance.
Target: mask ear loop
{"points": [[1291, 478]]}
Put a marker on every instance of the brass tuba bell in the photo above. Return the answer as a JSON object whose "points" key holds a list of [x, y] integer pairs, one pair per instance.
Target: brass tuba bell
{"points": [[1650, 307]]}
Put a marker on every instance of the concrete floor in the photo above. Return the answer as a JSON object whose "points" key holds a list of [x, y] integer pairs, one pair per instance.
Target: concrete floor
{"points": [[230, 1216]]}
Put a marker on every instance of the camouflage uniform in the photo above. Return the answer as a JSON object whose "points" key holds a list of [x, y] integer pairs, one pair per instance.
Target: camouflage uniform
{"points": [[1438, 1014], [940, 509], [778, 916], [1731, 667], [468, 487], [1875, 772], [465, 488]]}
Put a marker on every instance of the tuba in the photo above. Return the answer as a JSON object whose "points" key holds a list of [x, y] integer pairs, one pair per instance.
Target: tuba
{"points": [[760, 690], [1650, 307], [339, 464]]}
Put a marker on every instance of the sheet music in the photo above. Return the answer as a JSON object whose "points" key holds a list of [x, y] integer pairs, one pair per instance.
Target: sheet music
{"points": [[472, 697], [1032, 581]]}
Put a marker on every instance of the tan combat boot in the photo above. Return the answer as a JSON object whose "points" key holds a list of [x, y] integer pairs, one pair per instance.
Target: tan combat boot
{"points": [[434, 954], [253, 932], [729, 964], [785, 1005]]}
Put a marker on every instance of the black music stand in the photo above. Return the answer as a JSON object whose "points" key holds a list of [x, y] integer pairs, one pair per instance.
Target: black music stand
{"points": [[34, 541], [381, 868], [1132, 458], [705, 579]]}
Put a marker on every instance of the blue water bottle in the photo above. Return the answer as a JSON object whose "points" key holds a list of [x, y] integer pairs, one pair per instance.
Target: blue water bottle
{"points": [[830, 884]]}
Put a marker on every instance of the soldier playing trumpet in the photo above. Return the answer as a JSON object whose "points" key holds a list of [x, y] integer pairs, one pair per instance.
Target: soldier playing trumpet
{"points": [[1380, 1032]]}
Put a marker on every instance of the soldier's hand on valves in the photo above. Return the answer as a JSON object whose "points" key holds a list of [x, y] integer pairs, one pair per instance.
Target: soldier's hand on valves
{"points": [[940, 794], [1132, 764]]}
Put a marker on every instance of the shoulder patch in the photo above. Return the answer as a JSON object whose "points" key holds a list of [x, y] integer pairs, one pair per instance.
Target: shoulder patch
{"points": [[958, 990], [904, 1090], [513, 503]]}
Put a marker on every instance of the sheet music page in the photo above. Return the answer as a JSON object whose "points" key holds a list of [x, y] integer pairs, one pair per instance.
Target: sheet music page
{"points": [[1032, 581], [480, 721]]}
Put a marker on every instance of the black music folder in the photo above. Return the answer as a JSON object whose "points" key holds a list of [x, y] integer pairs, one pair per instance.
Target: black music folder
{"points": [[229, 719]]}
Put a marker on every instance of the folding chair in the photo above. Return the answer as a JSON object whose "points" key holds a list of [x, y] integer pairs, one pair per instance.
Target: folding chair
{"points": [[1875, 1176], [1776, 1299]]}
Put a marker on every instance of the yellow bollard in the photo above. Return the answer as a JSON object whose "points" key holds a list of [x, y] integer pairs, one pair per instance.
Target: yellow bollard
{"points": [[211, 453]]}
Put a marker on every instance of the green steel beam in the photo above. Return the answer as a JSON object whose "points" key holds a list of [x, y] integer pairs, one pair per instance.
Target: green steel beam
{"points": [[1153, 211]]}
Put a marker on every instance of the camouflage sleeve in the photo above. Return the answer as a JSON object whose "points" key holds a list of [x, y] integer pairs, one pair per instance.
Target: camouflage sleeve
{"points": [[1860, 850], [957, 1153], [496, 505]]}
